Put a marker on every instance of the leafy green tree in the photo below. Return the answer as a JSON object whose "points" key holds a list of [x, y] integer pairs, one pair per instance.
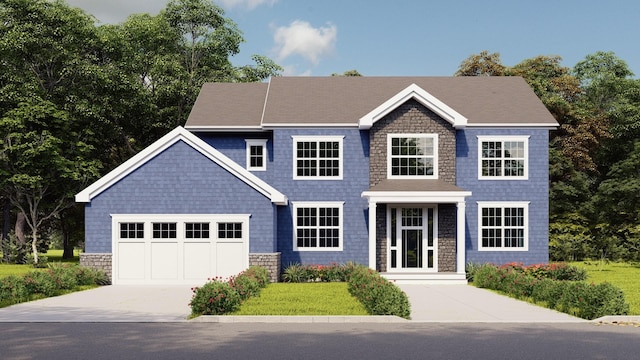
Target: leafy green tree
{"points": [[348, 73], [44, 161], [483, 64]]}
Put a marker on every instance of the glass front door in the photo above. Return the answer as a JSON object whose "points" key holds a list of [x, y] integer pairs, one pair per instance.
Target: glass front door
{"points": [[412, 239]]}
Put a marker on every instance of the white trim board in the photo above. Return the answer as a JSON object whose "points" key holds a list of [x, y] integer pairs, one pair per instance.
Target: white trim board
{"points": [[180, 134]]}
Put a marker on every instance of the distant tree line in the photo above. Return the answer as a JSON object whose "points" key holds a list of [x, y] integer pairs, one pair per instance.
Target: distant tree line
{"points": [[77, 99], [594, 155]]}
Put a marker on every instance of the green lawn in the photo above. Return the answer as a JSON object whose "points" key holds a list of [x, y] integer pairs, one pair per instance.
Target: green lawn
{"points": [[52, 256], [624, 275], [303, 299]]}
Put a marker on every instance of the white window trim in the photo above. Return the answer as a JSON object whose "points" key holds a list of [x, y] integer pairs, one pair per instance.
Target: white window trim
{"points": [[503, 138], [317, 204], [503, 204], [256, 142], [435, 156], [309, 138]]}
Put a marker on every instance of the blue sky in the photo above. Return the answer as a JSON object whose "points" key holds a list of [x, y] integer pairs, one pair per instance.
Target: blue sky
{"points": [[414, 37]]}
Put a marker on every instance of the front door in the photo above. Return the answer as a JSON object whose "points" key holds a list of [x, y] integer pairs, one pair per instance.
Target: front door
{"points": [[413, 243]]}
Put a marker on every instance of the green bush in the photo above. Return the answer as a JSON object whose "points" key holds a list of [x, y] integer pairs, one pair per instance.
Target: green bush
{"points": [[12, 290], [64, 277], [557, 271], [214, 298], [90, 276], [245, 285], [40, 282], [309, 273], [547, 284], [260, 274], [377, 294]]}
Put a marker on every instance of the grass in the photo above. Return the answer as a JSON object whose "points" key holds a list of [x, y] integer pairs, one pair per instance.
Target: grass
{"points": [[21, 269], [624, 275], [331, 298]]}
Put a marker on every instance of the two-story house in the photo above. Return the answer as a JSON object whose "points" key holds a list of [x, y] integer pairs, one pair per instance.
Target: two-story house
{"points": [[412, 176]]}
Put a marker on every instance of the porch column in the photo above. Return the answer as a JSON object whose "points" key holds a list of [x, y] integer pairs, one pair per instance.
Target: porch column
{"points": [[460, 239], [372, 233]]}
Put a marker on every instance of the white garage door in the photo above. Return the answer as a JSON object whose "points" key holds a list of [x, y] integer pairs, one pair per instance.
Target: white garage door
{"points": [[178, 249]]}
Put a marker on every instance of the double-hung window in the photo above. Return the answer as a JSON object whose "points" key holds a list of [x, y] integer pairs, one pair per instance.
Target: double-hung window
{"points": [[503, 226], [503, 157], [317, 157], [412, 156], [256, 154], [317, 226]]}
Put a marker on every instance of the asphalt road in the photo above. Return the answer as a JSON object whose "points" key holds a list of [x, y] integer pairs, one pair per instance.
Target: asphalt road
{"points": [[317, 341]]}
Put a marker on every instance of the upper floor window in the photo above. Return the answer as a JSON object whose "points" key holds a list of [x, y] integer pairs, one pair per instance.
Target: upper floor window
{"points": [[317, 157], [503, 226], [412, 156], [256, 154], [503, 157]]}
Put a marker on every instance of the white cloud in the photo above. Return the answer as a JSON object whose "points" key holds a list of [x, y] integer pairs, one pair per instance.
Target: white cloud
{"points": [[248, 4], [292, 70], [300, 38]]}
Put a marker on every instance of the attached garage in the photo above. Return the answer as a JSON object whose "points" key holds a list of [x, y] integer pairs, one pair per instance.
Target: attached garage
{"points": [[178, 249]]}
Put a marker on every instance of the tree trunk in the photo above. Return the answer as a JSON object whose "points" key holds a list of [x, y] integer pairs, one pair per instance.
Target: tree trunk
{"points": [[6, 224], [34, 246], [21, 242], [67, 252]]}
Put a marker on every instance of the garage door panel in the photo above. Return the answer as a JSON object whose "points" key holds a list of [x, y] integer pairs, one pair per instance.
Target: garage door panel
{"points": [[229, 258], [192, 248], [198, 261], [131, 260], [164, 261]]}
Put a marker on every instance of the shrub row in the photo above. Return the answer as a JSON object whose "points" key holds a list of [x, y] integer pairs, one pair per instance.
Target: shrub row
{"points": [[218, 297], [557, 289], [317, 273], [377, 294], [554, 271], [49, 282]]}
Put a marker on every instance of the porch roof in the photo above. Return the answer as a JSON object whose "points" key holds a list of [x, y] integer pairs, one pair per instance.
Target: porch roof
{"points": [[414, 191]]}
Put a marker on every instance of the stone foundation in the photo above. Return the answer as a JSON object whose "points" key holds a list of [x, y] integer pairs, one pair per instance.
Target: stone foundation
{"points": [[269, 261], [97, 261]]}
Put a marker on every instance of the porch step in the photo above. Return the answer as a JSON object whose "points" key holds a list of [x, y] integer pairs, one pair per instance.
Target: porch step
{"points": [[448, 278]]}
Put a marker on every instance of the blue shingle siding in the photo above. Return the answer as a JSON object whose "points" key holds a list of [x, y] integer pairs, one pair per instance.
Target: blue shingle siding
{"points": [[348, 190], [233, 145], [180, 180], [534, 190]]}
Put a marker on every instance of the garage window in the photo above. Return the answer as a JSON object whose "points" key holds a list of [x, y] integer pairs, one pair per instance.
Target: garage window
{"points": [[131, 230], [230, 230], [196, 230], [164, 230]]}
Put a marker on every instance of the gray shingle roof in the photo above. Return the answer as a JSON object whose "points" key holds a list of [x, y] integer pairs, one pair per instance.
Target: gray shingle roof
{"points": [[342, 101]]}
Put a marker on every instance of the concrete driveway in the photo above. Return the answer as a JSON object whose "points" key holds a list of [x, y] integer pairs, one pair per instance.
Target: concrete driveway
{"points": [[121, 303], [115, 303]]}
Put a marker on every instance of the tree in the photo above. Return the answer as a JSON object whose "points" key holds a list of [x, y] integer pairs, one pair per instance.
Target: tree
{"points": [[483, 64], [44, 163], [353, 72]]}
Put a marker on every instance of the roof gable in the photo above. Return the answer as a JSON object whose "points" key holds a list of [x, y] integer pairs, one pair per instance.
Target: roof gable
{"points": [[180, 134], [415, 92]]}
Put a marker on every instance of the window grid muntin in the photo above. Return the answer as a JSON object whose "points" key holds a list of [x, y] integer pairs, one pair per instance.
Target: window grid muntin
{"points": [[132, 230], [406, 161], [196, 230], [503, 226], [504, 157], [229, 230], [317, 157], [164, 230], [318, 227]]}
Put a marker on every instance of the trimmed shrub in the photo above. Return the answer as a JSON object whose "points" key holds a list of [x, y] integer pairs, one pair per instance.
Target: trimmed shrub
{"points": [[12, 289], [312, 273], [214, 298], [40, 282], [245, 285], [547, 284], [557, 271], [294, 273], [377, 294], [260, 274]]}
